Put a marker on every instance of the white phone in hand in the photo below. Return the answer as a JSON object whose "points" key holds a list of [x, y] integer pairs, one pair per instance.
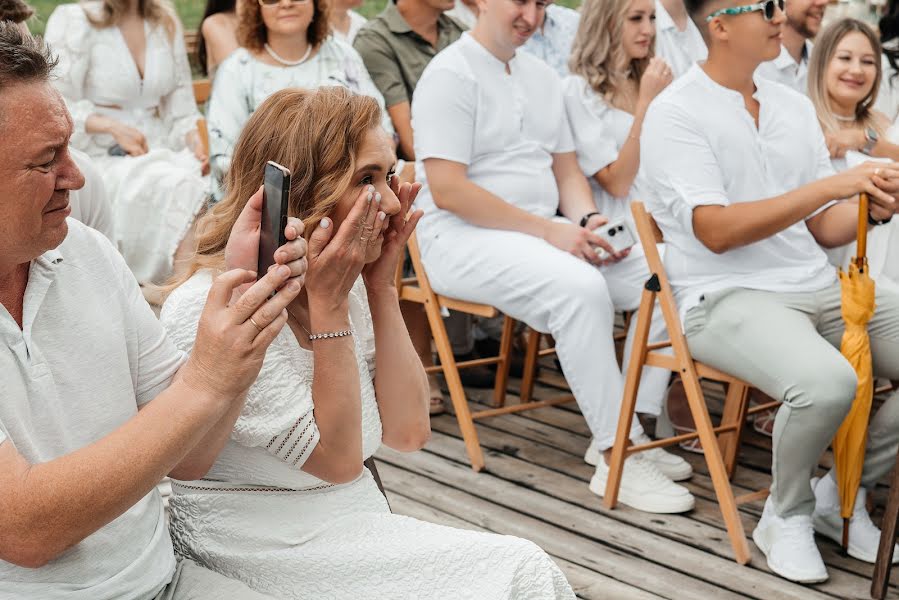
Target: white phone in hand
{"points": [[619, 235]]}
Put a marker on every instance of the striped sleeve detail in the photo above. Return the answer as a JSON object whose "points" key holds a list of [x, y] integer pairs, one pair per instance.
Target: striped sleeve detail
{"points": [[295, 444]]}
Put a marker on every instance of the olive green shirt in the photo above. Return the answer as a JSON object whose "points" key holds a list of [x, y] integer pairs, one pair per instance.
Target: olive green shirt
{"points": [[396, 56]]}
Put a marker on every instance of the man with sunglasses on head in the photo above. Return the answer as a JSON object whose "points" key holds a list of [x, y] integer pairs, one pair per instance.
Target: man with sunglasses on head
{"points": [[744, 193], [790, 67]]}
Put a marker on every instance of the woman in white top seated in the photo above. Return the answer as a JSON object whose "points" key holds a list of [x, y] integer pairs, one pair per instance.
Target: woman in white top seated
{"points": [[124, 74], [288, 506], [284, 43], [844, 76], [346, 22]]}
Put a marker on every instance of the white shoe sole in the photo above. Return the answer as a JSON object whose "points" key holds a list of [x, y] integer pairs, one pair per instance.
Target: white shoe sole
{"points": [[759, 540], [680, 472], [647, 503]]}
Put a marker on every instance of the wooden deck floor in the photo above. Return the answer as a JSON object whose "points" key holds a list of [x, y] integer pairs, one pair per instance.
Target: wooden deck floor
{"points": [[535, 486]]}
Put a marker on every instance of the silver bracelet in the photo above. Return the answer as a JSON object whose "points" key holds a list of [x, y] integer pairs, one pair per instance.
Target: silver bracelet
{"points": [[330, 334]]}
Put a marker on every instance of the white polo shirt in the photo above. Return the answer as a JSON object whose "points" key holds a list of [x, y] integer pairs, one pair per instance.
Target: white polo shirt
{"points": [[700, 146], [600, 130], [785, 70], [680, 49], [89, 354], [504, 126]]}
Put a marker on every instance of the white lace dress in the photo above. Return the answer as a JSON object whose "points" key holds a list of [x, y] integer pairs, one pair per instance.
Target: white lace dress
{"points": [[242, 83], [259, 518], [156, 196]]}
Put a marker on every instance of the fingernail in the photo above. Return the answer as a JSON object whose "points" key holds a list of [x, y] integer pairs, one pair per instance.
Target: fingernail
{"points": [[325, 223], [378, 197], [270, 268], [294, 230], [284, 271], [293, 286], [371, 189], [369, 197], [382, 215]]}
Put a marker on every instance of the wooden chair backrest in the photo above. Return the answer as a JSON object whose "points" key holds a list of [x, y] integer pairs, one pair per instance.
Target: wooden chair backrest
{"points": [[202, 90]]}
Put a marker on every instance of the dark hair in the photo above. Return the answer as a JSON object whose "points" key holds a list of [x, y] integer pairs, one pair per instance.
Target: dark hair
{"points": [[16, 11], [212, 7], [889, 30], [23, 57], [694, 8]]}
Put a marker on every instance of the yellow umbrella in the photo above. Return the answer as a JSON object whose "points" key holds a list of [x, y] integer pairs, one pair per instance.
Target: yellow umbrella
{"points": [[857, 309]]}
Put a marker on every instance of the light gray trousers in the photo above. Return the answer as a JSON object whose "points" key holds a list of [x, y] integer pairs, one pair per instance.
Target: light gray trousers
{"points": [[788, 346]]}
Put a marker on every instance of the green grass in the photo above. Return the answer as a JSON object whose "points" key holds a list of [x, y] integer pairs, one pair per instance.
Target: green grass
{"points": [[191, 11]]}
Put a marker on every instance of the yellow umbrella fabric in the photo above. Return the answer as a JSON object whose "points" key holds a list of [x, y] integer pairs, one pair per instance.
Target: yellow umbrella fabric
{"points": [[858, 307]]}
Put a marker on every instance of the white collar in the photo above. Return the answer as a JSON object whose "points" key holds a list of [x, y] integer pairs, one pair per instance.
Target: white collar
{"points": [[784, 60]]}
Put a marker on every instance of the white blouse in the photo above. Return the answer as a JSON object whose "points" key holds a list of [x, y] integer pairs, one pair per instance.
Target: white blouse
{"points": [[242, 83], [600, 131], [97, 75]]}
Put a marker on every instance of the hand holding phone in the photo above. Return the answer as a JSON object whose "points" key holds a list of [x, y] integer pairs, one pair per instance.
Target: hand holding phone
{"points": [[275, 197], [619, 236]]}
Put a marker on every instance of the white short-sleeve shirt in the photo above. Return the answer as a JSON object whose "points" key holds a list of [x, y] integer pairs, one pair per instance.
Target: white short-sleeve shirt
{"points": [[90, 352], [504, 126], [787, 71], [700, 146], [600, 130], [680, 49]]}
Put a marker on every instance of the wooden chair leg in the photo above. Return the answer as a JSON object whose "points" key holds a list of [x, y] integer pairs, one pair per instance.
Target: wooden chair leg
{"points": [[530, 365], [629, 401], [717, 471], [736, 403], [884, 561], [502, 367]]}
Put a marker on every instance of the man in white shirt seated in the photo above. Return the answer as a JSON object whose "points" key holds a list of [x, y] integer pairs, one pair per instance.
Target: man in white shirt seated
{"points": [[96, 404], [678, 40], [496, 158], [744, 192], [552, 40], [790, 66]]}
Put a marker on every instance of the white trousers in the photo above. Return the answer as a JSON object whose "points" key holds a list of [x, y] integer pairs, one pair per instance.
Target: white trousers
{"points": [[553, 292]]}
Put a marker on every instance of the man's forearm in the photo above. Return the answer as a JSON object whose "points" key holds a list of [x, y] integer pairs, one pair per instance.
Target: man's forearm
{"points": [[479, 207], [49, 507]]}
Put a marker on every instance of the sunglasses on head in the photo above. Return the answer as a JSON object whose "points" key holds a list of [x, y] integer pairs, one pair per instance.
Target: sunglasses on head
{"points": [[767, 7]]}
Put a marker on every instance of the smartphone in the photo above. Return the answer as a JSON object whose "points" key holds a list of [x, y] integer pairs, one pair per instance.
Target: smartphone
{"points": [[275, 194], [619, 235]]}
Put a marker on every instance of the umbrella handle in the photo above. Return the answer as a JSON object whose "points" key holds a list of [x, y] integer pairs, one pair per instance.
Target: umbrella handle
{"points": [[862, 238]]}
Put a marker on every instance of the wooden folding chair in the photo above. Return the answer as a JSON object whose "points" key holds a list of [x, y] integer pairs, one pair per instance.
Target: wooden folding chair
{"points": [[418, 289], [721, 453]]}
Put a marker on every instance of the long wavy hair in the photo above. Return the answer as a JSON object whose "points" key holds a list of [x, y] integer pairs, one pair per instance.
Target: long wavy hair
{"points": [[598, 52], [314, 133], [252, 33], [825, 47], [107, 13]]}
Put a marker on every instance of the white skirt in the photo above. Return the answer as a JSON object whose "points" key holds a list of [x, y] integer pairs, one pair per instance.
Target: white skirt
{"points": [[342, 542]]}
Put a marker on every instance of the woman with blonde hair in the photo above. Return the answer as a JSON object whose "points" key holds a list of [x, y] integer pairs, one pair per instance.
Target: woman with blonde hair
{"points": [[845, 73], [284, 43], [614, 77], [124, 74], [288, 506]]}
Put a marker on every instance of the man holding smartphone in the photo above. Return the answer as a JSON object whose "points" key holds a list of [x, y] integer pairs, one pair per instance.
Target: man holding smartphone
{"points": [[97, 405], [758, 299], [497, 160]]}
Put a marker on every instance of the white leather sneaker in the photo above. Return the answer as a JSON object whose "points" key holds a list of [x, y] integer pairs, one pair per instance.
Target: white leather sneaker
{"points": [[789, 546], [644, 487], [864, 536], [673, 466]]}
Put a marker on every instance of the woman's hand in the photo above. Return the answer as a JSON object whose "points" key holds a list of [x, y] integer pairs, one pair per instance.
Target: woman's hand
{"points": [[844, 140], [655, 78], [130, 139], [337, 259], [865, 178], [381, 273]]}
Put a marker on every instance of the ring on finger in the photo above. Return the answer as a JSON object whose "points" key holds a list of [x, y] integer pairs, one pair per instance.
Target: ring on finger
{"points": [[255, 324], [876, 172]]}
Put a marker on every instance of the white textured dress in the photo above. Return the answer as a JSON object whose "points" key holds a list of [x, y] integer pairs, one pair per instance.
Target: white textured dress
{"points": [[259, 518], [242, 83], [156, 196]]}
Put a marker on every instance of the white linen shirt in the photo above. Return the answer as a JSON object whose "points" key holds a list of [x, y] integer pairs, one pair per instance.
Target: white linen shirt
{"points": [[89, 353], [504, 126], [700, 146], [785, 70], [552, 43], [680, 49], [600, 131]]}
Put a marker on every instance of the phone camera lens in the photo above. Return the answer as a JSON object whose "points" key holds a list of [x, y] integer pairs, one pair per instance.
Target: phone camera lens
{"points": [[612, 231]]}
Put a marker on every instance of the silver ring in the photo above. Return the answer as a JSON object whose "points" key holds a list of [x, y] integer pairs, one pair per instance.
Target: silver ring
{"points": [[256, 325]]}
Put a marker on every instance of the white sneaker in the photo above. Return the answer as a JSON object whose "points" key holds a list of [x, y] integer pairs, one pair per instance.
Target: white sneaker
{"points": [[673, 466], [864, 536], [644, 487], [789, 546]]}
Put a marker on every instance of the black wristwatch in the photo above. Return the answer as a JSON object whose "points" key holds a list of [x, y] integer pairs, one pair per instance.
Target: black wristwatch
{"points": [[875, 222], [586, 218]]}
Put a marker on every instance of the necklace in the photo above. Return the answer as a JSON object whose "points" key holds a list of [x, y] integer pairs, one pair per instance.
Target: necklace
{"points": [[851, 119], [289, 63]]}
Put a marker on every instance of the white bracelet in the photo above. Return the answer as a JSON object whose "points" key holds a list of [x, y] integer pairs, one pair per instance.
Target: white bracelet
{"points": [[330, 334]]}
